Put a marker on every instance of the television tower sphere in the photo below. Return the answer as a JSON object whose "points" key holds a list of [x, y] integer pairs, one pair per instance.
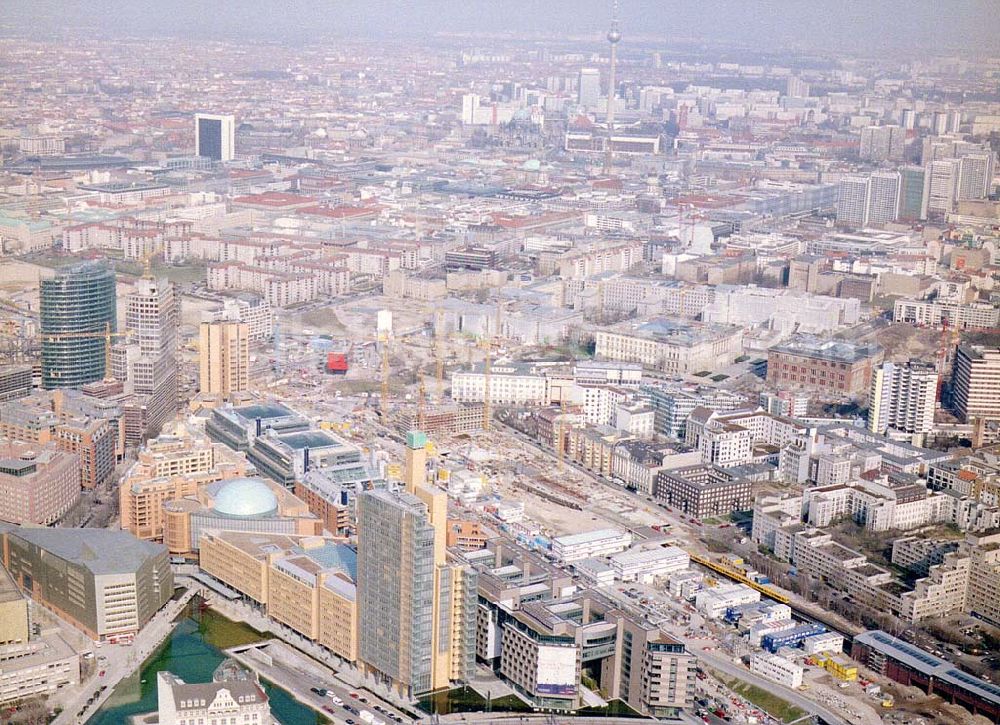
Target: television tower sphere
{"points": [[614, 35]]}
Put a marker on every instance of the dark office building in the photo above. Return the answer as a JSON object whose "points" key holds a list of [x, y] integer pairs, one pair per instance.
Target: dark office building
{"points": [[77, 308], [214, 136]]}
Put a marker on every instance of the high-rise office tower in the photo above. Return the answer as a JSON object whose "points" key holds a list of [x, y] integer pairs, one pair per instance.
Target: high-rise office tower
{"points": [[852, 202], [865, 200], [416, 606], [975, 175], [942, 187], [976, 382], [152, 316], [883, 197], [215, 136], [224, 357], [883, 143], [588, 89], [913, 182], [902, 397], [76, 308], [908, 119]]}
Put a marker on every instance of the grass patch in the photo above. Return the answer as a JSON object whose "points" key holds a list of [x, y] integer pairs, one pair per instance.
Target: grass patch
{"points": [[766, 701], [720, 377], [703, 373]]}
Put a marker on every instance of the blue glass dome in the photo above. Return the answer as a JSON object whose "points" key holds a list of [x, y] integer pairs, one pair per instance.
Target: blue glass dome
{"points": [[244, 498]]}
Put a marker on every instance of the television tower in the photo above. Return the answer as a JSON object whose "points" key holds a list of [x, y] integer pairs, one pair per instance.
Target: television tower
{"points": [[614, 37]]}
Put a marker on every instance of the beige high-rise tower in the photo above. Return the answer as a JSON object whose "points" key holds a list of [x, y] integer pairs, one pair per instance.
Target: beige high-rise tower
{"points": [[416, 608], [224, 357]]}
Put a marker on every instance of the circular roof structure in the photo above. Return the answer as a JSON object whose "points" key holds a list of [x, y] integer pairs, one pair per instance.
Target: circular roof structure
{"points": [[245, 498]]}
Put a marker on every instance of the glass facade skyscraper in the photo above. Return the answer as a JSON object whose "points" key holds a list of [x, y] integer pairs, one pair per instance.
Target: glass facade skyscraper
{"points": [[79, 300], [396, 587], [416, 604]]}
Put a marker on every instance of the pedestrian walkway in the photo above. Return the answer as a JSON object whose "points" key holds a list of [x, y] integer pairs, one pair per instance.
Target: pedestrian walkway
{"points": [[123, 660]]}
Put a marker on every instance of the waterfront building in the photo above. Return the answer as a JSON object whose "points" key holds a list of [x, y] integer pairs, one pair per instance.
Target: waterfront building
{"points": [[108, 584], [417, 605], [304, 582], [235, 702]]}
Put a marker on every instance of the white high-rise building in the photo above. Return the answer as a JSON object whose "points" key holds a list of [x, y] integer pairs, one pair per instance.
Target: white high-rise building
{"points": [[868, 200], [975, 175], [943, 186], [215, 136], [588, 91], [902, 397], [152, 314], [852, 204], [883, 197], [883, 143]]}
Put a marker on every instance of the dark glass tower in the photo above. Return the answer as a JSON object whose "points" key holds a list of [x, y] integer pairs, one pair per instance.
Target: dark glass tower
{"points": [[210, 138], [80, 300]]}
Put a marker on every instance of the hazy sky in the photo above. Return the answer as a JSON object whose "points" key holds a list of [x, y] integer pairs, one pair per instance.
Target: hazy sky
{"points": [[930, 25]]}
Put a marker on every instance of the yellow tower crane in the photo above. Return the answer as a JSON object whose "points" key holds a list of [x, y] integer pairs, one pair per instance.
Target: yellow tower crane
{"points": [[384, 400], [108, 336], [420, 404], [439, 353], [487, 393]]}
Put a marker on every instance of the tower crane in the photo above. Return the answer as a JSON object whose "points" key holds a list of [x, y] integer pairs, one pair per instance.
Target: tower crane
{"points": [[384, 399], [108, 336], [439, 353], [420, 404], [487, 393]]}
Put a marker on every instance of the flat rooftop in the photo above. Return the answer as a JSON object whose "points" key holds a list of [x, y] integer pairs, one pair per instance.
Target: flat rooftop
{"points": [[925, 662], [309, 439], [101, 551], [831, 350], [588, 537], [263, 410]]}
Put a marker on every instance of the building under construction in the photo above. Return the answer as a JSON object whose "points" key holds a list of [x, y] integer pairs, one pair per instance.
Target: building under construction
{"points": [[441, 418]]}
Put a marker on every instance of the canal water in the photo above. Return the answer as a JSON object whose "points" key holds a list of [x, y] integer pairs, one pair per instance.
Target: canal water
{"points": [[192, 652]]}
